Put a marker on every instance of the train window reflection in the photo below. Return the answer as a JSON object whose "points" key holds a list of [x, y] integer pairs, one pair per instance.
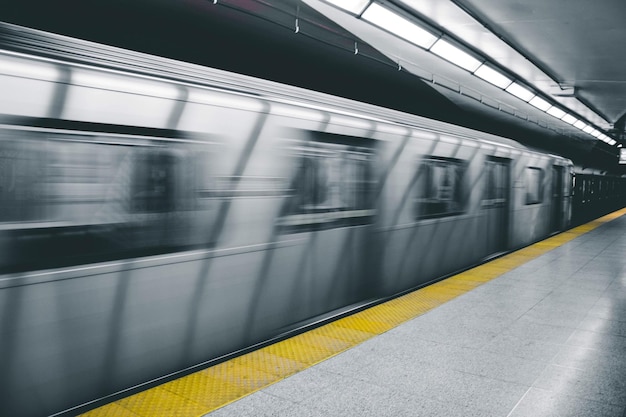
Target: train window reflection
{"points": [[534, 185], [153, 182], [333, 184], [21, 171], [496, 182], [439, 188], [73, 198]]}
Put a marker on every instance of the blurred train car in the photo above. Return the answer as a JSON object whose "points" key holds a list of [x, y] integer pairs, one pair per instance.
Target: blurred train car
{"points": [[595, 194], [156, 216]]}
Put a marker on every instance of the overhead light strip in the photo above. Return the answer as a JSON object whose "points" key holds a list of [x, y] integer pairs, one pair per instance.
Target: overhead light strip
{"points": [[540, 103], [352, 6], [455, 55], [398, 25], [520, 92], [554, 111], [493, 76], [568, 118], [422, 35]]}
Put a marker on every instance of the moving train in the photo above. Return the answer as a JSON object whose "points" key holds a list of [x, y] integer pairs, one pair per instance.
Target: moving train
{"points": [[156, 216]]}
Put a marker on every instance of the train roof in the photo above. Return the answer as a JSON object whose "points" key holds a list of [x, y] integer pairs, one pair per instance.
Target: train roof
{"points": [[56, 47]]}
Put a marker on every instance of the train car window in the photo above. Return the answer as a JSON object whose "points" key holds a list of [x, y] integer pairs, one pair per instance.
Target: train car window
{"points": [[439, 188], [153, 181], [496, 182], [21, 172], [534, 185], [333, 184], [73, 198]]}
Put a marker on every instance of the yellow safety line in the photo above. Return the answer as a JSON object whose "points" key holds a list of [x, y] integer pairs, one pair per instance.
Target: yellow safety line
{"points": [[212, 388]]}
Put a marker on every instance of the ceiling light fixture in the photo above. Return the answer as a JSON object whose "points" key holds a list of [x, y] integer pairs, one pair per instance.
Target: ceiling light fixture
{"points": [[457, 56], [556, 112], [568, 118], [580, 124], [493, 76], [352, 6], [520, 92], [540, 103], [398, 25], [424, 36]]}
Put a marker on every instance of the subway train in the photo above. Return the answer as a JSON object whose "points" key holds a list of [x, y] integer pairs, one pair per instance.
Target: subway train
{"points": [[595, 194], [157, 216]]}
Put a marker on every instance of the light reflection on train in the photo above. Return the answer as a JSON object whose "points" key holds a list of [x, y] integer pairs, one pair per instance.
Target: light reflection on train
{"points": [[220, 219]]}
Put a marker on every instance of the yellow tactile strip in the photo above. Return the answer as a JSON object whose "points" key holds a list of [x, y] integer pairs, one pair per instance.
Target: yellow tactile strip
{"points": [[207, 390]]}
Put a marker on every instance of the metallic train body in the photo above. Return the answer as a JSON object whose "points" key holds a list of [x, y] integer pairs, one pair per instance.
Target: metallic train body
{"points": [[157, 215]]}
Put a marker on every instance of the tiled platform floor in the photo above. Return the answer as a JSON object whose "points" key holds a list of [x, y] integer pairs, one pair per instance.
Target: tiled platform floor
{"points": [[545, 339]]}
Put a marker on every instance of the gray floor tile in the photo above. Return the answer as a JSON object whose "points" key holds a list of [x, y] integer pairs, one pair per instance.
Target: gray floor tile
{"points": [[304, 385], [573, 297], [599, 341], [593, 280], [360, 398], [608, 312], [615, 290], [546, 313], [510, 289], [408, 405], [298, 411], [524, 348], [443, 384], [509, 309], [527, 329], [256, 404], [600, 325], [590, 360], [492, 365], [605, 387], [495, 365], [614, 296], [611, 300], [543, 403], [587, 289], [599, 272], [556, 304], [457, 334]]}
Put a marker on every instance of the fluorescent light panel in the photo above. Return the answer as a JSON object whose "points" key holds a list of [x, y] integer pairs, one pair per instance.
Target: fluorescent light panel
{"points": [[568, 118], [352, 6], [404, 28], [540, 103], [556, 112], [398, 25], [520, 92], [455, 55], [580, 124], [588, 129], [493, 76], [595, 133]]}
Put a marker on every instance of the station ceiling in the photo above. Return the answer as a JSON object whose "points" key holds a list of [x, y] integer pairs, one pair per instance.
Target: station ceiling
{"points": [[569, 50]]}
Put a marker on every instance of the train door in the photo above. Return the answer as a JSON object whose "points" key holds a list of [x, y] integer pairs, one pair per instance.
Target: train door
{"points": [[556, 217], [495, 204], [331, 209]]}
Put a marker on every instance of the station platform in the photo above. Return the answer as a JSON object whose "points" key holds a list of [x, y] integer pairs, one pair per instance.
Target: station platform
{"points": [[538, 332]]}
